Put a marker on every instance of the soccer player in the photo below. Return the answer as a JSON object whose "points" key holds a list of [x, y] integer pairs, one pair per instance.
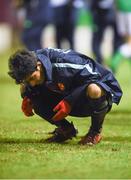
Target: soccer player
{"points": [[64, 20], [124, 27], [104, 15], [56, 83], [37, 16]]}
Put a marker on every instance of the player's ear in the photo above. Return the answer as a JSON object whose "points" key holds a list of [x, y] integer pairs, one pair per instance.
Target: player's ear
{"points": [[38, 65]]}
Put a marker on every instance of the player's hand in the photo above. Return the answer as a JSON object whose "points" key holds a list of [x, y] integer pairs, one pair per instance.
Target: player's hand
{"points": [[27, 107], [62, 109]]}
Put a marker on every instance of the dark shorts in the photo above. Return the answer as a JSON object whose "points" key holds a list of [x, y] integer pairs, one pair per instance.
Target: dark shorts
{"points": [[46, 100]]}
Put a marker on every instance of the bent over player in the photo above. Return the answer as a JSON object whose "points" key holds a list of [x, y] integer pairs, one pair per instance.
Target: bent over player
{"points": [[56, 83]]}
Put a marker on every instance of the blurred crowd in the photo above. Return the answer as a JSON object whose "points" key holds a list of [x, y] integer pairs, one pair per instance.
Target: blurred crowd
{"points": [[25, 23]]}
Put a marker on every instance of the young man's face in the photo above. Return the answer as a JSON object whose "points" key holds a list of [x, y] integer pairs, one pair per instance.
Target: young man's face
{"points": [[37, 77]]}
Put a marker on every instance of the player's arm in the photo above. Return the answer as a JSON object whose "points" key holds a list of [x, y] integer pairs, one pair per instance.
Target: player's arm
{"points": [[63, 108], [22, 89], [27, 106], [85, 77]]}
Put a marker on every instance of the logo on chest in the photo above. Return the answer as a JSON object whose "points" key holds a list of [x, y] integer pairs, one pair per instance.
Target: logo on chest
{"points": [[61, 86]]}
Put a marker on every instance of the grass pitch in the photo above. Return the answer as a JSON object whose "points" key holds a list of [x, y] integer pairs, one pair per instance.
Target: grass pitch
{"points": [[23, 154]]}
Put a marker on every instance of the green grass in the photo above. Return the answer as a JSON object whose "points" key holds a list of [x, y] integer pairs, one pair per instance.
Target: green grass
{"points": [[23, 154]]}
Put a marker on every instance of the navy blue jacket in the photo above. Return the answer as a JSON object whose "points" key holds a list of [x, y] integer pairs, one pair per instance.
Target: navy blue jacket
{"points": [[69, 73]]}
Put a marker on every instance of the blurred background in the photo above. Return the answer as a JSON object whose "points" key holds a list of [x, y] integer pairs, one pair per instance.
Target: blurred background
{"points": [[100, 29], [84, 25]]}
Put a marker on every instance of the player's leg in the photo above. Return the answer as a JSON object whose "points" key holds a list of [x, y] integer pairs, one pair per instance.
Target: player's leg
{"points": [[97, 38], [70, 34], [124, 51], [99, 105], [59, 35], [31, 37], [43, 106]]}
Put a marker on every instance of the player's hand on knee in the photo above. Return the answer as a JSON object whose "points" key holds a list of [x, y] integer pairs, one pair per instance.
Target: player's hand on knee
{"points": [[27, 107], [62, 110]]}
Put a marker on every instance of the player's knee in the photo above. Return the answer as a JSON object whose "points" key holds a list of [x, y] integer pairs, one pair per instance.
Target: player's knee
{"points": [[94, 91]]}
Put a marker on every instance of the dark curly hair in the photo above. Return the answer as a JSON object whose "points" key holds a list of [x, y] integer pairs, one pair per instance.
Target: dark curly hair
{"points": [[21, 64]]}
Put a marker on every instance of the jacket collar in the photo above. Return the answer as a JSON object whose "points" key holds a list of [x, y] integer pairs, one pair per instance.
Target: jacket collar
{"points": [[47, 65]]}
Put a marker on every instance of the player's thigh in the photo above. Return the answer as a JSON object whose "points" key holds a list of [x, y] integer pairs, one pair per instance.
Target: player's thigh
{"points": [[121, 23], [128, 16]]}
